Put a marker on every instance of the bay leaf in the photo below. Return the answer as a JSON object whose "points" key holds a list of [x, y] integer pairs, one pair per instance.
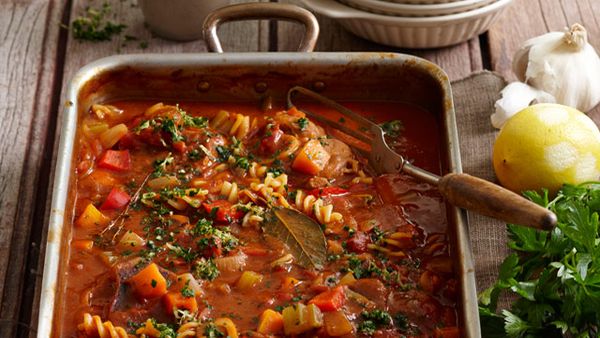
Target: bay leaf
{"points": [[302, 235]]}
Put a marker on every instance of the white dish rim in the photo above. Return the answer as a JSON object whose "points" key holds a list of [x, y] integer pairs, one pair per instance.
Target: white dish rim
{"points": [[393, 9], [336, 10], [395, 6]]}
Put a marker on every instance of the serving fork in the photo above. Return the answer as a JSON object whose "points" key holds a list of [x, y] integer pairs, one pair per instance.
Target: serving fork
{"points": [[460, 189]]}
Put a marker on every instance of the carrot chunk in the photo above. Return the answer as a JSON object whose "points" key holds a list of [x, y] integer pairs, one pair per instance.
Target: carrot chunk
{"points": [[289, 283], [270, 322], [83, 244], [311, 159], [330, 300], [177, 301], [117, 160], [91, 218], [149, 282], [295, 112]]}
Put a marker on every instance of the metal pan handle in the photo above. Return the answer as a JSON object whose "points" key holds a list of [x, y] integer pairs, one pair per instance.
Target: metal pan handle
{"points": [[261, 10]]}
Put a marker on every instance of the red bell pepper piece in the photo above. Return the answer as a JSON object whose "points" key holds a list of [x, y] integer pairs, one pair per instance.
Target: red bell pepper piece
{"points": [[180, 146], [269, 144], [116, 199], [330, 300], [328, 191], [118, 160], [223, 211], [358, 242]]}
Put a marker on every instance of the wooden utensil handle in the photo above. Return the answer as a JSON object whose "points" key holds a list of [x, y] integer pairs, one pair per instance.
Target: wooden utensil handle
{"points": [[492, 200]]}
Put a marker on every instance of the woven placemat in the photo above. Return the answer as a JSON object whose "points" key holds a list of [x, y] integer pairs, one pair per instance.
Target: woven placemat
{"points": [[474, 99]]}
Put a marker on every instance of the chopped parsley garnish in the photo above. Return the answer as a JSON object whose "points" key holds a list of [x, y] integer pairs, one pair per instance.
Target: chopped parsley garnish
{"points": [[243, 163], [367, 268], [367, 327], [377, 235], [161, 165], [211, 331], [373, 320], [379, 317], [203, 227], [276, 171], [94, 26], [187, 292], [302, 123], [187, 254], [206, 269], [194, 154], [401, 321], [194, 122], [223, 153], [172, 125], [164, 330], [393, 128]]}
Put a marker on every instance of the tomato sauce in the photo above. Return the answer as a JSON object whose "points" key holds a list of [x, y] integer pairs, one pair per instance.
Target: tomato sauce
{"points": [[168, 231]]}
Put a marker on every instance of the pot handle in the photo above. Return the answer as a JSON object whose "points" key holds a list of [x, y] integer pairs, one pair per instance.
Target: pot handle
{"points": [[261, 10]]}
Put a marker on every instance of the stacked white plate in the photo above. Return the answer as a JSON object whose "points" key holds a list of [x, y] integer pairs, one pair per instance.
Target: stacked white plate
{"points": [[412, 23]]}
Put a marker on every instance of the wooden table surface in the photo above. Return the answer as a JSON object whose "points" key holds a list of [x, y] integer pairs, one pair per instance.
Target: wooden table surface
{"points": [[38, 58]]}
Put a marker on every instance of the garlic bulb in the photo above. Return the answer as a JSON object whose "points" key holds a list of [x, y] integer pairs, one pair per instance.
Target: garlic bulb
{"points": [[564, 65], [516, 97]]}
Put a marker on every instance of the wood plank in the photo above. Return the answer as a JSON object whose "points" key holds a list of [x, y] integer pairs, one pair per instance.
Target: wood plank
{"points": [[525, 19], [458, 61], [235, 37], [28, 31]]}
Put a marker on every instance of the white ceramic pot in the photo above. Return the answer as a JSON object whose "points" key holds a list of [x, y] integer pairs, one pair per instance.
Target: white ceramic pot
{"points": [[420, 10], [178, 19]]}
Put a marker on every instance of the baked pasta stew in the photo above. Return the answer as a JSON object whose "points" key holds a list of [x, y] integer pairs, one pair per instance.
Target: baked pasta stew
{"points": [[190, 220]]}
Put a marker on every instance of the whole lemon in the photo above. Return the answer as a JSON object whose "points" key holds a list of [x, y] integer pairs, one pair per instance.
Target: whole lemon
{"points": [[546, 145]]}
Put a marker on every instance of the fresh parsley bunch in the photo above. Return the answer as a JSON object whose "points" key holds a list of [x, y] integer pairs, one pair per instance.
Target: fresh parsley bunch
{"points": [[554, 275]]}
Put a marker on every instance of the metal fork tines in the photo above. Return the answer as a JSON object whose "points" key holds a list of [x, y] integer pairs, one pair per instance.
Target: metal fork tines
{"points": [[381, 157]]}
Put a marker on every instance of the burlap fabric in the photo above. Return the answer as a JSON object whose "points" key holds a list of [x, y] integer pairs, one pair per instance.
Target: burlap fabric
{"points": [[474, 99]]}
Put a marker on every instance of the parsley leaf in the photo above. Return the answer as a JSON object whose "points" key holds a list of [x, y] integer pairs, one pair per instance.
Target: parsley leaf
{"points": [[555, 275], [223, 153], [302, 123], [93, 26], [206, 269], [374, 320], [392, 128]]}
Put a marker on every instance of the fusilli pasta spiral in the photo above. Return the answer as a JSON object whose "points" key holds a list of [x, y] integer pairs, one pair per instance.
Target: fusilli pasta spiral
{"points": [[93, 326], [273, 189], [230, 191], [311, 205], [256, 170], [188, 330], [362, 178], [232, 124], [392, 245], [102, 110], [253, 217]]}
